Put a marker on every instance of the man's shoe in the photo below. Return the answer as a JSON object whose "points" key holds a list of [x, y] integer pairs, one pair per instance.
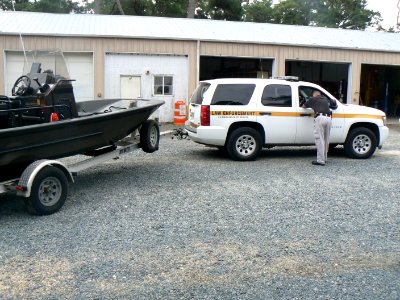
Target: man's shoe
{"points": [[316, 163]]}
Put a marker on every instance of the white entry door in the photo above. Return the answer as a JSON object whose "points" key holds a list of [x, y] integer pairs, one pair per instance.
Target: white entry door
{"points": [[130, 87]]}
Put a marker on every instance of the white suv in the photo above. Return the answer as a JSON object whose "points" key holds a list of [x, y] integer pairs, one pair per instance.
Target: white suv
{"points": [[243, 115]]}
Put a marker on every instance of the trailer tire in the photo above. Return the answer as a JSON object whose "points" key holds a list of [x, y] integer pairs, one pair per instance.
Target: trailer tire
{"points": [[149, 136], [49, 191]]}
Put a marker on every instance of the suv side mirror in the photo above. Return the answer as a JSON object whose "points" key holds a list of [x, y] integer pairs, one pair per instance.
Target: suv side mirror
{"points": [[332, 103]]}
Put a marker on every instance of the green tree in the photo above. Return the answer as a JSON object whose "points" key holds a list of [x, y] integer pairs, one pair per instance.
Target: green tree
{"points": [[230, 10], [129, 7], [51, 6], [166, 8], [162, 8], [347, 14], [295, 12], [202, 11], [259, 11], [19, 4]]}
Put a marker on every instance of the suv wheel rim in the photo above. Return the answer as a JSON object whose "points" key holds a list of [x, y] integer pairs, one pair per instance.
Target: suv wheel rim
{"points": [[246, 145], [362, 144]]}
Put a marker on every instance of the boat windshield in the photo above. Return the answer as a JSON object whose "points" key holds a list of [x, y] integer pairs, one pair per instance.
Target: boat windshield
{"points": [[46, 61]]}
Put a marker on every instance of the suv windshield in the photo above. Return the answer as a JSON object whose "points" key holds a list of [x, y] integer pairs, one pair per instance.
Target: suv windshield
{"points": [[198, 94]]}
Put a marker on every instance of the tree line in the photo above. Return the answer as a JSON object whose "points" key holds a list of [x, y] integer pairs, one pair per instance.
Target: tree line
{"points": [[346, 14]]}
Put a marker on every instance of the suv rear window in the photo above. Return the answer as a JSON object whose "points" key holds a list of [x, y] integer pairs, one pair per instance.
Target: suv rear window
{"points": [[277, 95], [233, 94], [198, 94]]}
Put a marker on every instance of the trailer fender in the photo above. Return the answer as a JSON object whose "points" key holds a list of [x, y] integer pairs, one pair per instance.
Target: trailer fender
{"points": [[24, 185]]}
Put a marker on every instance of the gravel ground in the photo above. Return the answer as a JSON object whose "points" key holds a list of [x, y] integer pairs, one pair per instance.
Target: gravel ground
{"points": [[188, 223]]}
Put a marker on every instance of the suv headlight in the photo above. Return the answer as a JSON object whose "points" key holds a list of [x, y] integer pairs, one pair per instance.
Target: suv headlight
{"points": [[384, 120]]}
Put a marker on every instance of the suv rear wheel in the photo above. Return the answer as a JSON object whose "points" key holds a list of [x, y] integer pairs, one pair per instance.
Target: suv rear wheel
{"points": [[244, 144]]}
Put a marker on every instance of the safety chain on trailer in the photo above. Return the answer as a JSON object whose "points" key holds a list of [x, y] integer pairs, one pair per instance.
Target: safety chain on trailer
{"points": [[180, 134]]}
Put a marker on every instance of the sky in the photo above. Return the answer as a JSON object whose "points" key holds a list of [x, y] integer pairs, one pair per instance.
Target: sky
{"points": [[388, 10]]}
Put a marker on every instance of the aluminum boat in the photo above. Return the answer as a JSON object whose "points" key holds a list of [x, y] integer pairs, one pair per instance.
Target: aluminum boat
{"points": [[42, 120]]}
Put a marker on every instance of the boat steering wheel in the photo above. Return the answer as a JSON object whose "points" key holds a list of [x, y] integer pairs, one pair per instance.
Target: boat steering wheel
{"points": [[21, 86]]}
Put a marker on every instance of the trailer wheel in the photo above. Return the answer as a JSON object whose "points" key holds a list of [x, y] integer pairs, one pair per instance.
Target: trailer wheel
{"points": [[49, 191], [149, 136]]}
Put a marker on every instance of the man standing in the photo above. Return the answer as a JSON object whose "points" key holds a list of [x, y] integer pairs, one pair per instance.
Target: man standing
{"points": [[322, 125]]}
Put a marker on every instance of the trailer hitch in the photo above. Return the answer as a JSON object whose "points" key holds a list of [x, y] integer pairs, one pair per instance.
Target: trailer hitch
{"points": [[180, 134]]}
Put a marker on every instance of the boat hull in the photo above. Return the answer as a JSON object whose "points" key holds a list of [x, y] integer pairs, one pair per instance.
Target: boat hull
{"points": [[22, 145]]}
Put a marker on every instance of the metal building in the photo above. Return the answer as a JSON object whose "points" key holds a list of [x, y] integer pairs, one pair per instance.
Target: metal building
{"points": [[164, 58]]}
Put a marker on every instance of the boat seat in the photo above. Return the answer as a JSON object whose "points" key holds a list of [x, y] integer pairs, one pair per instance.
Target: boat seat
{"points": [[43, 78], [4, 114], [63, 94]]}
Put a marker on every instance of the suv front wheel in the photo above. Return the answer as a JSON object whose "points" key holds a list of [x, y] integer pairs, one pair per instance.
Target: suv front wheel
{"points": [[244, 144], [360, 143]]}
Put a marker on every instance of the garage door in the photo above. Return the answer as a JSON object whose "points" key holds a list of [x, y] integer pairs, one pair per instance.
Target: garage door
{"points": [[163, 77], [80, 66]]}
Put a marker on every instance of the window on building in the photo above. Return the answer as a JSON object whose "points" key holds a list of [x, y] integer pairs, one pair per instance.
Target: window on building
{"points": [[163, 85], [277, 95], [233, 94]]}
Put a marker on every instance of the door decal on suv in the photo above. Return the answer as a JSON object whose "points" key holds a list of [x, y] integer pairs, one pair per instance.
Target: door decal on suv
{"points": [[227, 113], [233, 113], [256, 113]]}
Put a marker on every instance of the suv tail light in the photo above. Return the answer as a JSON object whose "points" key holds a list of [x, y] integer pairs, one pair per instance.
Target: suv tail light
{"points": [[205, 115]]}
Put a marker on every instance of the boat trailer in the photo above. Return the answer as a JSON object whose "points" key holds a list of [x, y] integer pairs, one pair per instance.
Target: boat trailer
{"points": [[45, 182]]}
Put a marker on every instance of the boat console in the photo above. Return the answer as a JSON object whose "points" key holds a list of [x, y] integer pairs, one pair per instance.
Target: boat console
{"points": [[38, 97]]}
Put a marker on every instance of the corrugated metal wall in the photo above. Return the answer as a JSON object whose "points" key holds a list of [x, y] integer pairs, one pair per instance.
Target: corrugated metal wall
{"points": [[279, 53], [100, 46], [283, 53]]}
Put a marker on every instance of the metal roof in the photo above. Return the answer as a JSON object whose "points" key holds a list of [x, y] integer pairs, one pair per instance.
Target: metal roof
{"points": [[90, 25]]}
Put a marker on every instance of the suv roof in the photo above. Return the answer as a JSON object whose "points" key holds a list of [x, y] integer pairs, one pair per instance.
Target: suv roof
{"points": [[254, 80]]}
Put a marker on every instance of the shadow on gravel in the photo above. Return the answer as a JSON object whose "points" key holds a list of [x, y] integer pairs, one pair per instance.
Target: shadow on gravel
{"points": [[394, 127], [280, 152], [12, 205], [273, 153]]}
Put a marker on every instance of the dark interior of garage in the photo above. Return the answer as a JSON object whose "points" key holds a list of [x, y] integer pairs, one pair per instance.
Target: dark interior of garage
{"points": [[379, 88], [212, 67], [331, 76]]}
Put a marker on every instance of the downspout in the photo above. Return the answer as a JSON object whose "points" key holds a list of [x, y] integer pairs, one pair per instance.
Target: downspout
{"points": [[197, 63]]}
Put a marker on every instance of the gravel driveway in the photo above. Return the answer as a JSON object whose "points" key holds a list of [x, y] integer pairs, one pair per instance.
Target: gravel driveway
{"points": [[188, 223]]}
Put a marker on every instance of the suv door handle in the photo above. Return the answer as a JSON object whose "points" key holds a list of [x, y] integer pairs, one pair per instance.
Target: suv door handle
{"points": [[265, 113], [305, 115]]}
